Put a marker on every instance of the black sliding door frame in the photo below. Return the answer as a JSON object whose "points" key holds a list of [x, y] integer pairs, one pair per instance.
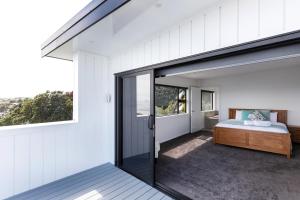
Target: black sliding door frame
{"points": [[119, 81]]}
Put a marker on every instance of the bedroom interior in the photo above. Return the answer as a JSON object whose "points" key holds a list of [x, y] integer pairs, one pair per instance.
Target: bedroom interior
{"points": [[223, 156]]}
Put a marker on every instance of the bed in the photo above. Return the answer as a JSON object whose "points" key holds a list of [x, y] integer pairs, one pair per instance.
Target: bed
{"points": [[274, 139]]}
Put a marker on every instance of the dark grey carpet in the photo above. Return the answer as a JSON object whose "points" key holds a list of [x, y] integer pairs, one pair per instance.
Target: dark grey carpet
{"points": [[196, 167]]}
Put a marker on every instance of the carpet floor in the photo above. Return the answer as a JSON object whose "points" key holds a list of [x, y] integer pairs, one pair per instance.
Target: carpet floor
{"points": [[199, 169]]}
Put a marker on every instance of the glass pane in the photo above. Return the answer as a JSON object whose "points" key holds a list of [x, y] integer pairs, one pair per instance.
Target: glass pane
{"points": [[182, 94], [207, 100], [143, 95], [166, 100], [137, 138], [182, 107]]}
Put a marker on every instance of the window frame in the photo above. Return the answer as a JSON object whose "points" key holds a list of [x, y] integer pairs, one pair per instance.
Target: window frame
{"points": [[212, 99], [178, 100]]}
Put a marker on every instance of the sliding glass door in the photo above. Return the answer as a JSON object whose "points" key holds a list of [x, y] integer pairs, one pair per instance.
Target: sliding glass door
{"points": [[135, 124]]}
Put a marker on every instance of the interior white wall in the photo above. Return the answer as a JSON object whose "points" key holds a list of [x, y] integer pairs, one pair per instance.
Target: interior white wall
{"points": [[177, 81], [201, 123], [33, 155], [170, 127], [180, 123], [269, 89]]}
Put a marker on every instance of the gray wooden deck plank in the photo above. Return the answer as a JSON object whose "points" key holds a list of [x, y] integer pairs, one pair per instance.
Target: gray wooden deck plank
{"points": [[104, 182], [113, 188], [121, 190], [74, 185], [157, 196], [167, 198], [140, 192], [148, 194], [130, 191], [99, 189], [56, 184], [100, 186], [88, 186]]}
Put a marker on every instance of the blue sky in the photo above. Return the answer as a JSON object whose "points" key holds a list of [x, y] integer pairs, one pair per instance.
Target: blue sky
{"points": [[23, 73]]}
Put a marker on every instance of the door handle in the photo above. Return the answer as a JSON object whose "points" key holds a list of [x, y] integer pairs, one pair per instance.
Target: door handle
{"points": [[151, 122]]}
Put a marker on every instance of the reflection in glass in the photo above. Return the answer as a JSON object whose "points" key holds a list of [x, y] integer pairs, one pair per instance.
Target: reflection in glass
{"points": [[143, 95], [207, 100]]}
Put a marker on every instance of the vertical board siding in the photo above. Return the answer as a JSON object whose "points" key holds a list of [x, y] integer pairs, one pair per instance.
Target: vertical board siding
{"points": [[248, 20], [229, 22], [60, 154], [185, 46], [155, 51], [271, 17], [49, 157], [291, 15], [148, 53], [6, 166], [33, 156], [174, 43], [140, 55], [212, 29], [36, 159], [164, 46], [22, 163], [198, 34], [226, 23]]}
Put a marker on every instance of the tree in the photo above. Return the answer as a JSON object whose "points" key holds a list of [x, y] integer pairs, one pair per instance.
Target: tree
{"points": [[45, 107]]}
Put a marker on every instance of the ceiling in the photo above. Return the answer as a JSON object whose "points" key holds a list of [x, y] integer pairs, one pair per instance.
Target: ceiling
{"points": [[131, 24], [241, 69]]}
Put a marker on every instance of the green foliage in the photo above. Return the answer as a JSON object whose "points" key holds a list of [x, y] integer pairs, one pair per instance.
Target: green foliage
{"points": [[45, 107], [167, 99], [164, 95], [166, 110]]}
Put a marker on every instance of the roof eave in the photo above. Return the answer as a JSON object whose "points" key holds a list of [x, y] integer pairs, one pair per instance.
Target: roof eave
{"points": [[88, 16]]}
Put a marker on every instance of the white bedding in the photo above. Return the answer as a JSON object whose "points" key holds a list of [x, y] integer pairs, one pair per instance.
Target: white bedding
{"points": [[275, 128]]}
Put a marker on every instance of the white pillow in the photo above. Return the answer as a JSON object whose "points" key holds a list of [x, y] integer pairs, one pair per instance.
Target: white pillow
{"points": [[273, 116], [257, 123], [248, 123], [238, 115], [262, 123]]}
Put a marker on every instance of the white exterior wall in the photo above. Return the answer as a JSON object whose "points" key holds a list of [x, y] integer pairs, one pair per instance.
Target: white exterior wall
{"points": [[33, 155], [36, 155]]}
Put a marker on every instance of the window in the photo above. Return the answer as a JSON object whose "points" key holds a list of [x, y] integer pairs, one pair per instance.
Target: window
{"points": [[170, 100], [27, 100], [207, 100]]}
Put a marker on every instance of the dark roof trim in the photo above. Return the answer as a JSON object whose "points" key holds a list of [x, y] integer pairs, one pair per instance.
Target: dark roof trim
{"points": [[239, 49], [91, 14]]}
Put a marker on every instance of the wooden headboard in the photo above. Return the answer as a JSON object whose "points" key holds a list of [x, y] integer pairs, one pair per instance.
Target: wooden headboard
{"points": [[281, 117]]}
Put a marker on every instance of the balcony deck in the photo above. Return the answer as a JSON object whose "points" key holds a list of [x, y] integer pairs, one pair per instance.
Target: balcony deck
{"points": [[103, 182]]}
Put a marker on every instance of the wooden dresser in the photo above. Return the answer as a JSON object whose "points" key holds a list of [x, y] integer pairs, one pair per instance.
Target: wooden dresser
{"points": [[295, 132]]}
